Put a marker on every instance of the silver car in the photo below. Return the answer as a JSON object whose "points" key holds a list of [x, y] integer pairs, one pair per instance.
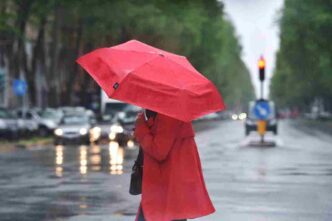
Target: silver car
{"points": [[74, 128], [49, 120], [8, 124], [27, 123]]}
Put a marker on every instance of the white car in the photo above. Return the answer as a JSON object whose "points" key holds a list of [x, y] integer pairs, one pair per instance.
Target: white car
{"points": [[73, 128], [27, 122]]}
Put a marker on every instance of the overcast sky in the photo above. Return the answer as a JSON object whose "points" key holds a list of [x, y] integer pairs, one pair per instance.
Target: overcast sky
{"points": [[256, 25]]}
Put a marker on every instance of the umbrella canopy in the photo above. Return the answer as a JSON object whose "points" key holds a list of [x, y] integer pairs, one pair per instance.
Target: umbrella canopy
{"points": [[154, 79]]}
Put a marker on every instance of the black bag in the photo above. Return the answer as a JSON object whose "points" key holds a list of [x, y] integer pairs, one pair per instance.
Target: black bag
{"points": [[137, 175], [136, 180]]}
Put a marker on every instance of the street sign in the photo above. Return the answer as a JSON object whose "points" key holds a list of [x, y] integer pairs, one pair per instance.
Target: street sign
{"points": [[262, 109], [19, 87]]}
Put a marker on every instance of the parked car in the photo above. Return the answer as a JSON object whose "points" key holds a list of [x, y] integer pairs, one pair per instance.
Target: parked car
{"points": [[69, 109], [251, 120], [8, 124], [74, 127], [49, 119], [36, 121], [27, 122]]}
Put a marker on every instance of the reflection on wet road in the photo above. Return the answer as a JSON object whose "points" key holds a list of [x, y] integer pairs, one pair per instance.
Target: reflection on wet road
{"points": [[90, 158], [64, 181], [292, 181]]}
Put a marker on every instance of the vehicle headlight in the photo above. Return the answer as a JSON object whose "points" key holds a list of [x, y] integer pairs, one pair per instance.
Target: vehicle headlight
{"points": [[130, 144], [83, 131], [95, 132], [122, 115], [112, 136], [116, 129], [234, 116], [58, 132], [242, 116]]}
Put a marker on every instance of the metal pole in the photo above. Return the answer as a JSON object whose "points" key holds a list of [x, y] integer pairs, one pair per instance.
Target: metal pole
{"points": [[262, 97], [262, 90]]}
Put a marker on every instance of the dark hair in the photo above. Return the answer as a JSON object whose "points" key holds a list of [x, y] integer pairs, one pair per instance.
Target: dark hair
{"points": [[150, 113]]}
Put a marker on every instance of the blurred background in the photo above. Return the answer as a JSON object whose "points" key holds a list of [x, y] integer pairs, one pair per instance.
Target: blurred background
{"points": [[66, 150]]}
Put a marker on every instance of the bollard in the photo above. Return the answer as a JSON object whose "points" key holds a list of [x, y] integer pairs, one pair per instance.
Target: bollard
{"points": [[261, 129]]}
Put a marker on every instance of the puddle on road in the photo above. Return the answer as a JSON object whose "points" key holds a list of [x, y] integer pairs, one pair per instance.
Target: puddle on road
{"points": [[254, 140]]}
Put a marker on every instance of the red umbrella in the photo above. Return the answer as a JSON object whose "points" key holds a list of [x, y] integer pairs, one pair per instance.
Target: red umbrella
{"points": [[154, 79]]}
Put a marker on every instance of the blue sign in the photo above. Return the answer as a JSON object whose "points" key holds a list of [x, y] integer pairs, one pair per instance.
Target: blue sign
{"points": [[262, 110], [20, 87]]}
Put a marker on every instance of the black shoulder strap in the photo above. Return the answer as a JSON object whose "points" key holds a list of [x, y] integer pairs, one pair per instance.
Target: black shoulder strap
{"points": [[140, 157]]}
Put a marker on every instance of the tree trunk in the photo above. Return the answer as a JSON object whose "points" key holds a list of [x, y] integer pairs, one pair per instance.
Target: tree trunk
{"points": [[54, 86], [17, 58], [74, 73], [38, 64]]}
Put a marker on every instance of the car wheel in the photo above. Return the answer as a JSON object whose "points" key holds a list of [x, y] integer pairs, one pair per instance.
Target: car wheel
{"points": [[58, 141], [275, 131], [247, 131], [86, 141], [122, 142], [43, 131], [13, 136]]}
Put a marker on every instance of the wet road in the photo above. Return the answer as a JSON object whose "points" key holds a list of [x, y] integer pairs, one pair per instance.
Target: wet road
{"points": [[289, 182]]}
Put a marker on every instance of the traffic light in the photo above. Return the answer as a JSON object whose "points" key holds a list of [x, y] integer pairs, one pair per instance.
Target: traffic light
{"points": [[261, 67]]}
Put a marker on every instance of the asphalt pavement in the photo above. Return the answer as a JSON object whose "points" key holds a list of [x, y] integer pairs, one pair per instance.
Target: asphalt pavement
{"points": [[289, 182]]}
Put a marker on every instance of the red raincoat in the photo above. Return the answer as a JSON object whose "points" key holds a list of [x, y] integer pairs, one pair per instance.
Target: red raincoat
{"points": [[173, 184]]}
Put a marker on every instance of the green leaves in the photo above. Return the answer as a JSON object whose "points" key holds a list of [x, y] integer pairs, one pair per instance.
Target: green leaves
{"points": [[196, 29], [304, 72]]}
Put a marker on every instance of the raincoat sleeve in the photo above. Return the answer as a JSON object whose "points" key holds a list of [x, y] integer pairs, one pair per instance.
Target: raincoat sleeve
{"points": [[159, 144]]}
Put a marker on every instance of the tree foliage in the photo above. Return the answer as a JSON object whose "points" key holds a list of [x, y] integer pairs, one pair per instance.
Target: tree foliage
{"points": [[303, 71], [59, 31]]}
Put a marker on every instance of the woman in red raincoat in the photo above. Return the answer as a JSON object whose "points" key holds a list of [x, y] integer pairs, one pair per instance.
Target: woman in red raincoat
{"points": [[173, 185]]}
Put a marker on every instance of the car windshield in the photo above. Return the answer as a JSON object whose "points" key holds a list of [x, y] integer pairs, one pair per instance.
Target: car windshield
{"points": [[133, 108], [5, 114], [106, 119], [111, 108], [75, 119], [48, 114]]}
